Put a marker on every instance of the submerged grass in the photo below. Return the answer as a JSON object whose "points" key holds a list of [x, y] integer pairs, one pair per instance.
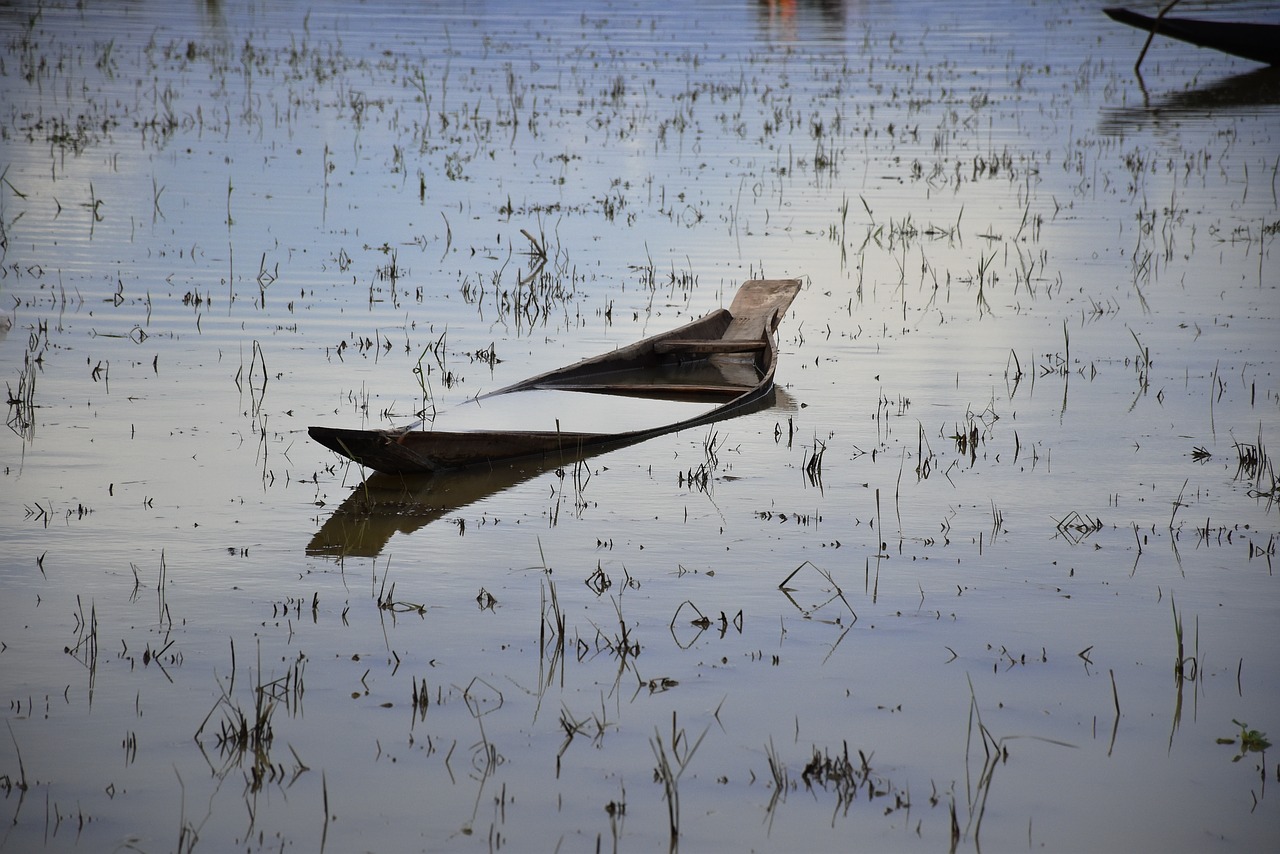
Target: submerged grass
{"points": [[892, 297], [673, 759]]}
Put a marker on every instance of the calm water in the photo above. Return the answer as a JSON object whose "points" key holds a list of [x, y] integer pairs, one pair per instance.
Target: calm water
{"points": [[1020, 453]]}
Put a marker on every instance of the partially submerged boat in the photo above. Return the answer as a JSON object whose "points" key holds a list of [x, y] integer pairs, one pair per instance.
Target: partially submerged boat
{"points": [[385, 505], [724, 361], [1256, 41]]}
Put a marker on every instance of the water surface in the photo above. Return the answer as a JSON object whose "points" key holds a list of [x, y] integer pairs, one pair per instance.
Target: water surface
{"points": [[1003, 550]]}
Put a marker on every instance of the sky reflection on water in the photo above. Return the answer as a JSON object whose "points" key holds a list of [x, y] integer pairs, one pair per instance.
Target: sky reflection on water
{"points": [[1034, 351]]}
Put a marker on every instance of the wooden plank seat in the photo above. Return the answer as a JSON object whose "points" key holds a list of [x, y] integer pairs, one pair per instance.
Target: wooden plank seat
{"points": [[708, 346]]}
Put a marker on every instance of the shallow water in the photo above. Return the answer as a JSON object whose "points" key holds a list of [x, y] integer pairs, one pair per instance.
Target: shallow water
{"points": [[1026, 401]]}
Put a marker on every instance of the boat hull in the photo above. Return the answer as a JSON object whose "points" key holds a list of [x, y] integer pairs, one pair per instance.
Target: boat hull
{"points": [[1259, 42], [743, 337]]}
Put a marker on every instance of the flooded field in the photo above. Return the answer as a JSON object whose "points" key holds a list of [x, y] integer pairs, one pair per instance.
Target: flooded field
{"points": [[996, 570]]}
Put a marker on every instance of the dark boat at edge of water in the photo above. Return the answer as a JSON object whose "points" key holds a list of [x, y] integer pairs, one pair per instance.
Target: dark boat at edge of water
{"points": [[1259, 42]]}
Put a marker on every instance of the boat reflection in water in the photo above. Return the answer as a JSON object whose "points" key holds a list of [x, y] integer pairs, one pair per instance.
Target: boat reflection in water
{"points": [[388, 504], [1249, 94]]}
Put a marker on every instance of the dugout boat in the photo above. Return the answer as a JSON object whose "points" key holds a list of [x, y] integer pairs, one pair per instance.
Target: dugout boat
{"points": [[716, 367]]}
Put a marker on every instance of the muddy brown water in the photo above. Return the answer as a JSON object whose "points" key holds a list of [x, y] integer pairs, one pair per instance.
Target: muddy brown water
{"points": [[1028, 398]]}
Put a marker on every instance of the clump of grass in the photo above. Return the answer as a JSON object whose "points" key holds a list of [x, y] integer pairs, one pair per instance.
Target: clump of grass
{"points": [[595, 727], [781, 779], [966, 439], [86, 649], [427, 412], [487, 355], [621, 644], [995, 753], [837, 773], [22, 401], [1142, 362], [251, 735], [698, 478], [1254, 464], [813, 462], [551, 632], [673, 761], [1250, 740], [387, 602], [1076, 527], [8, 783], [1185, 666], [420, 698]]}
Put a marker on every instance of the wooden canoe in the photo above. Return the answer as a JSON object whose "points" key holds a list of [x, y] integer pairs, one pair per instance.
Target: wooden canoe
{"points": [[725, 358], [1259, 42]]}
